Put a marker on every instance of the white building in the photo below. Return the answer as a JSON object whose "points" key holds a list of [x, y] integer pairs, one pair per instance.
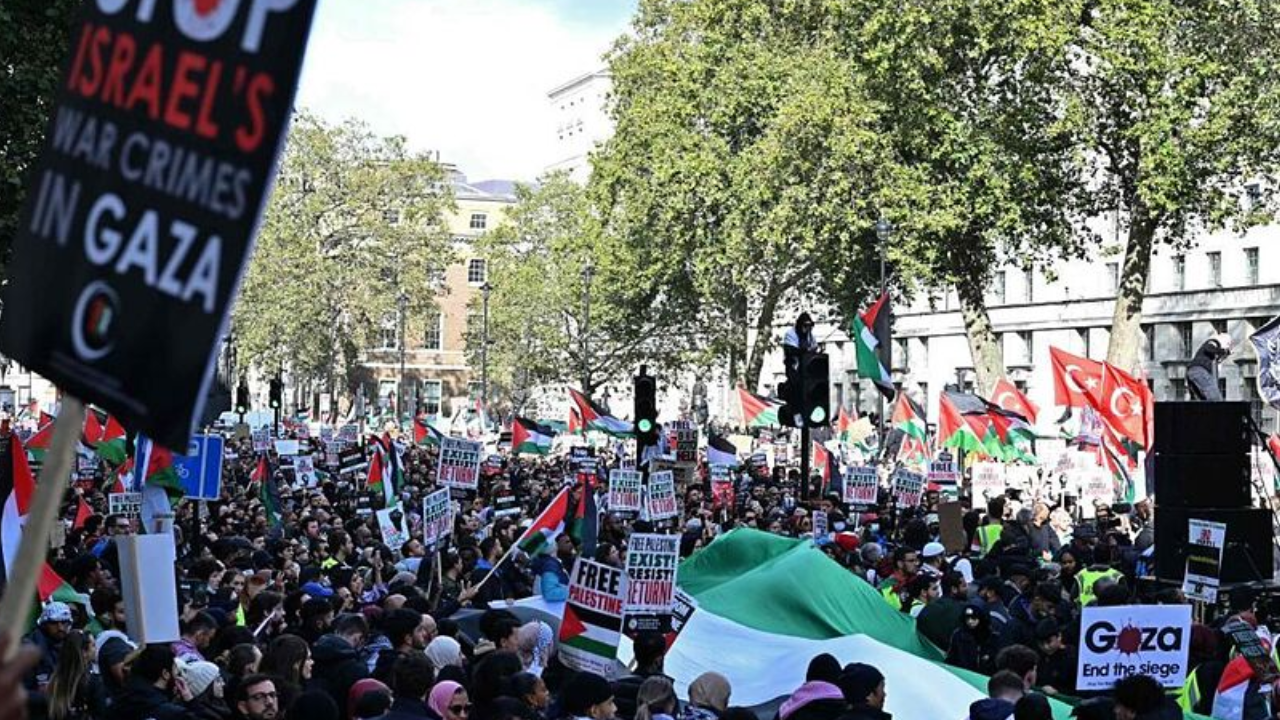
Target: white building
{"points": [[1226, 283], [581, 121]]}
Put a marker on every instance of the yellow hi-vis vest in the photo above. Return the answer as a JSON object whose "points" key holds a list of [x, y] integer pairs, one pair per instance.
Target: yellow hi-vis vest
{"points": [[1088, 578], [987, 537]]}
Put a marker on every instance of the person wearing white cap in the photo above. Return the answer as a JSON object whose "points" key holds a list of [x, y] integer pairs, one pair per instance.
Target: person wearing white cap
{"points": [[51, 629], [933, 559], [204, 680]]}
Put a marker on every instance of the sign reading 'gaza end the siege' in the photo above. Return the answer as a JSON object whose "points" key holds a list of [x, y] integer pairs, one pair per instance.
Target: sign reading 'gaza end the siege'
{"points": [[142, 208]]}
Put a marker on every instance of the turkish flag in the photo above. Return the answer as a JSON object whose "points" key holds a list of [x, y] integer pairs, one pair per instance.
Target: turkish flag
{"points": [[1008, 396], [1077, 381], [1124, 403]]}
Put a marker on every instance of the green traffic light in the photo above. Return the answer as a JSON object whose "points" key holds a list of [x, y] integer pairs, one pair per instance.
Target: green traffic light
{"points": [[645, 425], [818, 415]]}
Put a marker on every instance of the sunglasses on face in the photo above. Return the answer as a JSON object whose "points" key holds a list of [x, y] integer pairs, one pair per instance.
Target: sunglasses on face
{"points": [[460, 709]]}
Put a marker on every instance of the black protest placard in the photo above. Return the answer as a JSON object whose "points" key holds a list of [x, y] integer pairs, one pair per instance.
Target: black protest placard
{"points": [[142, 208]]}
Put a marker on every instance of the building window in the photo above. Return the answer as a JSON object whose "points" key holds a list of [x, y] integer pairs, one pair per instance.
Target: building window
{"points": [[1253, 196], [1025, 340], [388, 334], [1028, 285], [477, 271], [479, 221], [1219, 327], [433, 339], [435, 279], [1251, 266], [1083, 335], [901, 354], [923, 358], [1184, 339], [1215, 269], [997, 288], [431, 392], [1179, 273], [1149, 342], [1113, 278]]}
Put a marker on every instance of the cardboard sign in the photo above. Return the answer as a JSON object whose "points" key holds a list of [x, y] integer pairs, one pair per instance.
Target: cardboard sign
{"points": [[820, 524], [686, 443], [437, 517], [261, 440], [304, 469], [1249, 644], [348, 433], [1205, 542], [988, 480], [951, 526], [128, 504], [459, 465], [1116, 642], [624, 491], [861, 486], [142, 208], [352, 460], [651, 573], [945, 475], [200, 469], [591, 628], [682, 608], [907, 487], [393, 534], [1096, 486], [287, 447], [721, 485], [660, 497], [148, 588]]}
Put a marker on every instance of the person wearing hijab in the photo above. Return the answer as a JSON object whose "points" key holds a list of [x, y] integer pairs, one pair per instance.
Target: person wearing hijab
{"points": [[355, 697], [535, 643], [819, 698], [708, 697], [444, 651], [449, 700]]}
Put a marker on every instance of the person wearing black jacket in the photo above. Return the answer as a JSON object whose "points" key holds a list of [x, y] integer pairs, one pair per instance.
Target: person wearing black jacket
{"points": [[414, 678], [973, 645], [650, 647], [337, 658], [863, 688], [149, 692]]}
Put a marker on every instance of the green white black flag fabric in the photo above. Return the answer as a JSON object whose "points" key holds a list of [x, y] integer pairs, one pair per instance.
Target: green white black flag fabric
{"points": [[871, 339], [1267, 343]]}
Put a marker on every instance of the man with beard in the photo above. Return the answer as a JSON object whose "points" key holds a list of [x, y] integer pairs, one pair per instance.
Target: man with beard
{"points": [[257, 699]]}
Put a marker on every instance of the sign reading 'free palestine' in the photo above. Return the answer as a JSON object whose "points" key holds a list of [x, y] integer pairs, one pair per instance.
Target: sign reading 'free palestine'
{"points": [[142, 208]]}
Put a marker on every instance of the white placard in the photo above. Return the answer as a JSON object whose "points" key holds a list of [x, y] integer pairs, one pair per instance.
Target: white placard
{"points": [[1116, 642], [148, 587], [392, 534], [988, 480], [861, 485], [624, 491], [437, 517], [459, 465], [1205, 542], [660, 500]]}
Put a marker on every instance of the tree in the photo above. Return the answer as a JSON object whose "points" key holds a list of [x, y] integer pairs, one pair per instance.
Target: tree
{"points": [[740, 160], [982, 170], [1177, 102], [35, 37], [538, 329], [355, 219]]}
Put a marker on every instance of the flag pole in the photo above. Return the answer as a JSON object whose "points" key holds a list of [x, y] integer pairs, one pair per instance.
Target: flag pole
{"points": [[15, 605]]}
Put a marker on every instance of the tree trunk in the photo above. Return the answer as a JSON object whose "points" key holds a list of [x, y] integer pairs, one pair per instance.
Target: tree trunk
{"points": [[738, 350], [1126, 324], [984, 345], [764, 336]]}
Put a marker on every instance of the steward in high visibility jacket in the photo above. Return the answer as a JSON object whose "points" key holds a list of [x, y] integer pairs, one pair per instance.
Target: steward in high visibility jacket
{"points": [[1090, 576]]}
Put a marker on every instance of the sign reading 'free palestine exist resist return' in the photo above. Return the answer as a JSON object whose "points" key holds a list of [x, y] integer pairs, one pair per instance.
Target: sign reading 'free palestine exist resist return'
{"points": [[142, 207]]}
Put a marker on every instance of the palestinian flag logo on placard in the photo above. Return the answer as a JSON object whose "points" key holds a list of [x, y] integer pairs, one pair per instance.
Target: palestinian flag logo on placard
{"points": [[530, 438]]}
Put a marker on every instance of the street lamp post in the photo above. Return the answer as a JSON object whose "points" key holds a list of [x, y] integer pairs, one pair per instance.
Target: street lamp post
{"points": [[588, 273], [884, 230], [485, 289], [401, 302]]}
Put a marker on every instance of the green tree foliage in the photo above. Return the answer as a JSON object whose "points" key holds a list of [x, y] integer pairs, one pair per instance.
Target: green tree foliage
{"points": [[1177, 102], [737, 176], [35, 37], [355, 219], [538, 328]]}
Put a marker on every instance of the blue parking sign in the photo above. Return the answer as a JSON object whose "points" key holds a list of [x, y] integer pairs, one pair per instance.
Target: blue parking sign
{"points": [[200, 470]]}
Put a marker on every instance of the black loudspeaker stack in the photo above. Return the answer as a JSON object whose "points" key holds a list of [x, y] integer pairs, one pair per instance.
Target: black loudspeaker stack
{"points": [[1201, 462]]}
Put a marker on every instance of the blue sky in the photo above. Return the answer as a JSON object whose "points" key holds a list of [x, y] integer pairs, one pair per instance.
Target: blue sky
{"points": [[465, 77]]}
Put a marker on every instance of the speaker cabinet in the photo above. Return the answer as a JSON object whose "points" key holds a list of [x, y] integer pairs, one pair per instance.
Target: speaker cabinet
{"points": [[1209, 481], [1202, 428], [1247, 557]]}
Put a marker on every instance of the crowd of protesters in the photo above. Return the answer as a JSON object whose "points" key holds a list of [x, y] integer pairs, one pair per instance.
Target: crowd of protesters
{"points": [[316, 618]]}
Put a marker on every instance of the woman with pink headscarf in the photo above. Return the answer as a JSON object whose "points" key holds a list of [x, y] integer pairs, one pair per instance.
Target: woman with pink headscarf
{"points": [[449, 700]]}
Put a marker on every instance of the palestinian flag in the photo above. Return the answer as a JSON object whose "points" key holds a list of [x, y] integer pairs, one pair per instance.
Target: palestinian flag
{"points": [[105, 436], [1273, 444], [845, 428], [261, 471], [575, 422], [51, 586], [825, 463], [871, 338], [758, 411], [721, 452], [424, 434], [1229, 698], [1120, 458], [83, 513], [269, 494], [528, 437], [387, 476], [39, 441], [17, 487], [954, 430], [594, 417], [1008, 396], [159, 471], [745, 590], [908, 417], [549, 524]]}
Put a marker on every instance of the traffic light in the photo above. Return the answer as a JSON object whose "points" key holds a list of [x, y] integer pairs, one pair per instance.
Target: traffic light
{"points": [[242, 398], [646, 408], [815, 395], [276, 393]]}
